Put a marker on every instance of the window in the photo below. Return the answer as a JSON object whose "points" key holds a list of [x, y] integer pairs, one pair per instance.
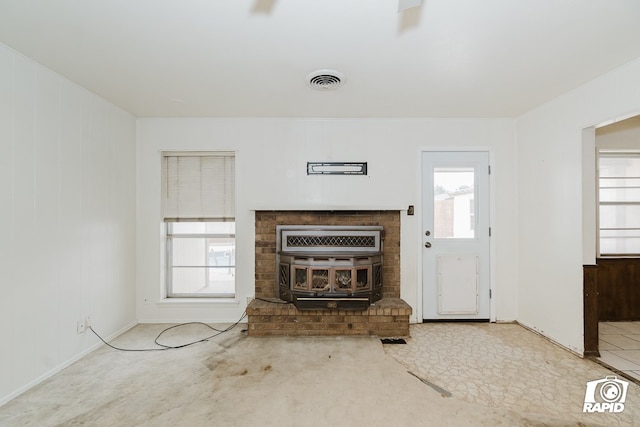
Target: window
{"points": [[202, 258], [454, 207], [619, 203], [198, 212]]}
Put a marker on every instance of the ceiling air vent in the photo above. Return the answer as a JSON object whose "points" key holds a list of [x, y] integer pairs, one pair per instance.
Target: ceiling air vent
{"points": [[325, 80]]}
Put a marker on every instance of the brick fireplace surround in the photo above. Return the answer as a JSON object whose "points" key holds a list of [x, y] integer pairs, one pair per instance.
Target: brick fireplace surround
{"points": [[388, 317]]}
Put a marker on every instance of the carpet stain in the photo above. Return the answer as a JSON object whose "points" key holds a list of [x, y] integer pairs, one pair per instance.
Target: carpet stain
{"points": [[213, 363], [267, 368], [221, 368]]}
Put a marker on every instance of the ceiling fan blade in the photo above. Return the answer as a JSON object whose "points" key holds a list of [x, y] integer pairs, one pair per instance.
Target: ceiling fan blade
{"points": [[263, 6], [407, 4]]}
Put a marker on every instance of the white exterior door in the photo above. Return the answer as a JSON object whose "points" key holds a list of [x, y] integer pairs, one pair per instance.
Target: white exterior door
{"points": [[455, 262]]}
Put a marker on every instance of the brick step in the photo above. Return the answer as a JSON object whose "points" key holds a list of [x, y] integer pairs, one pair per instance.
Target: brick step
{"points": [[387, 318]]}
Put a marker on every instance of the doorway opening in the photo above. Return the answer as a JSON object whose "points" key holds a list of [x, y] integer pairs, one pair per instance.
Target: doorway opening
{"points": [[611, 221]]}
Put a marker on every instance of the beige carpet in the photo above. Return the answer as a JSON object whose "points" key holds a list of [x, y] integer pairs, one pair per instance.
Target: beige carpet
{"points": [[234, 380]]}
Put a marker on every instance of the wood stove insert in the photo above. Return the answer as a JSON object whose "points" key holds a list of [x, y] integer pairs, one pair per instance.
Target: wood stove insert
{"points": [[329, 267]]}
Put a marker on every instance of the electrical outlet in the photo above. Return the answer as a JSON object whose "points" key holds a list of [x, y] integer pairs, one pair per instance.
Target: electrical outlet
{"points": [[87, 322], [81, 326]]}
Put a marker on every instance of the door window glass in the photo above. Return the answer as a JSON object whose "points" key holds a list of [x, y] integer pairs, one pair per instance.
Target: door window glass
{"points": [[454, 203]]}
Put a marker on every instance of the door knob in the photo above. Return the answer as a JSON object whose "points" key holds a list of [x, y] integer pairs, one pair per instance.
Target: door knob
{"points": [[427, 245]]}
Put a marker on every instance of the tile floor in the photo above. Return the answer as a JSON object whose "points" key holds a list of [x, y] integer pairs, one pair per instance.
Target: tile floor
{"points": [[619, 346], [508, 366]]}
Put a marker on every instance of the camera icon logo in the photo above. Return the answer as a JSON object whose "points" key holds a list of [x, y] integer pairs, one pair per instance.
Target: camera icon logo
{"points": [[605, 395]]}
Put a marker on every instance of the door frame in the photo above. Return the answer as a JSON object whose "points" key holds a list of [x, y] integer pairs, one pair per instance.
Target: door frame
{"points": [[590, 253], [420, 226]]}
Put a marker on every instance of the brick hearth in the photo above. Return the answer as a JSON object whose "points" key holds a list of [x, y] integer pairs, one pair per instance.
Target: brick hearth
{"points": [[388, 317]]}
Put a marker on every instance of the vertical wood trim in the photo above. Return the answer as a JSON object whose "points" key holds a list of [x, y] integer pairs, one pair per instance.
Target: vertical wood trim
{"points": [[590, 294]]}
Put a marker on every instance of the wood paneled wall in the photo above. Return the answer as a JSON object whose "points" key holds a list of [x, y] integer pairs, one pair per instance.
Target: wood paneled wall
{"points": [[68, 215], [618, 289]]}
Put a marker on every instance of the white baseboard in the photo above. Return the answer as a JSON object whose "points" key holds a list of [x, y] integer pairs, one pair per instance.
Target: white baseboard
{"points": [[63, 365]]}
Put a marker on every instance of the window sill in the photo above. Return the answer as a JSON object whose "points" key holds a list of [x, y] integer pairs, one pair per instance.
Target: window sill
{"points": [[619, 256], [191, 302]]}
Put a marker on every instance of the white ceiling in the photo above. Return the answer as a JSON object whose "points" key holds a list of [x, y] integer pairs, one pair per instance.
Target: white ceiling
{"points": [[448, 58]]}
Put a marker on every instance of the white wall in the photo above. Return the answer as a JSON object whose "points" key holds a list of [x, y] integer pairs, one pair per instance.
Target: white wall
{"points": [[271, 174], [624, 134], [67, 198], [550, 208]]}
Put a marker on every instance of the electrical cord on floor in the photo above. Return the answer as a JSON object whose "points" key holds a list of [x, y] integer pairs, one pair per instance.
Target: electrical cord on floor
{"points": [[164, 347]]}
